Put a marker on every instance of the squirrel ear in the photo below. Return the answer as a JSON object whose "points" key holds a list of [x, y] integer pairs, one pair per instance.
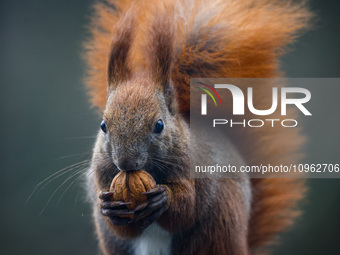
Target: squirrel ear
{"points": [[159, 54], [160, 48], [118, 65]]}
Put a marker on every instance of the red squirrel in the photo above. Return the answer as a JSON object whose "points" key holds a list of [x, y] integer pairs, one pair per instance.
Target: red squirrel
{"points": [[141, 56]]}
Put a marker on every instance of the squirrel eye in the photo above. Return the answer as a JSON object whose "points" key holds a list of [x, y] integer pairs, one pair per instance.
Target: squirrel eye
{"points": [[103, 127], [159, 127]]}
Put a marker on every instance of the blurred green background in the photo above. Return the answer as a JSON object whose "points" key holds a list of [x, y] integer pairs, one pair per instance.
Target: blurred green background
{"points": [[47, 124]]}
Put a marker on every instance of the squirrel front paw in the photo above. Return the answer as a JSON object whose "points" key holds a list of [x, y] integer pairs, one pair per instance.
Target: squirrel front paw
{"points": [[116, 211], [144, 214], [156, 204]]}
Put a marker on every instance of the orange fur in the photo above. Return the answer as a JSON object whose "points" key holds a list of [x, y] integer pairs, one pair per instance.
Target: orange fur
{"points": [[227, 39]]}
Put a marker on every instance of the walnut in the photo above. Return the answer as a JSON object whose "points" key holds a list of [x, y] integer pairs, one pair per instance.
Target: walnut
{"points": [[129, 186]]}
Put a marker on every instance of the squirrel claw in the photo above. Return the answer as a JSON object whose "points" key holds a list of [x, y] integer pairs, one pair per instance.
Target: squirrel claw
{"points": [[155, 191], [107, 195], [125, 203], [113, 205], [126, 213]]}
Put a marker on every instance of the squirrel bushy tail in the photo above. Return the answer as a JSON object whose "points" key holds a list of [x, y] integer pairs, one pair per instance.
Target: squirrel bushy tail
{"points": [[216, 39]]}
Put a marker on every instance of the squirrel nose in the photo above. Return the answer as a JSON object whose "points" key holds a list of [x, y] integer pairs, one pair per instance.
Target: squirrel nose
{"points": [[128, 164]]}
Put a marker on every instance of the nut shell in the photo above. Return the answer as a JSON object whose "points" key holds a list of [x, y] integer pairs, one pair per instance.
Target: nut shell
{"points": [[129, 186]]}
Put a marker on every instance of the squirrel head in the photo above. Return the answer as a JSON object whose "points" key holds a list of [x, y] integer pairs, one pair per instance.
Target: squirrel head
{"points": [[140, 120]]}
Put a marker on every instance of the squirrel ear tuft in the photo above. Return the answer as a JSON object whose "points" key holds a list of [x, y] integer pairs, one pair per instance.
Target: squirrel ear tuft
{"points": [[119, 68]]}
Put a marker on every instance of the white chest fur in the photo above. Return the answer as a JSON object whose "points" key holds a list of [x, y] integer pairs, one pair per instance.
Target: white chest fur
{"points": [[154, 241]]}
